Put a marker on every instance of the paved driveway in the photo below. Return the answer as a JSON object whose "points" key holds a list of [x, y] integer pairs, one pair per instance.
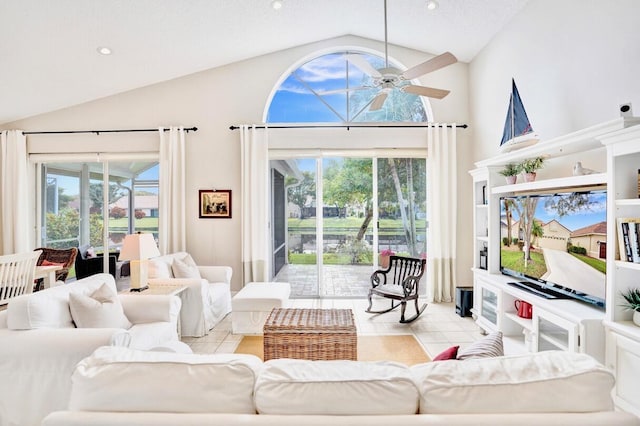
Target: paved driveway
{"points": [[566, 270]]}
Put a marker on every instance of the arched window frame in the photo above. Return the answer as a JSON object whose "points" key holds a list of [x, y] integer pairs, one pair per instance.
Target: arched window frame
{"points": [[426, 105]]}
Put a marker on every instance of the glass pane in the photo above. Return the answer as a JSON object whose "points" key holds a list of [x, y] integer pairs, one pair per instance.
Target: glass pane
{"points": [[402, 206], [300, 269], [347, 226], [61, 218], [135, 184]]}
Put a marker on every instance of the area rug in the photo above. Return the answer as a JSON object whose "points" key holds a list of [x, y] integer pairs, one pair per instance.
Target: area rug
{"points": [[400, 348]]}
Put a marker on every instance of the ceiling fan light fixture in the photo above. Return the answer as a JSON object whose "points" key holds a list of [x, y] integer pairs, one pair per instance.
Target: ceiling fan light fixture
{"points": [[432, 4], [104, 50], [276, 4]]}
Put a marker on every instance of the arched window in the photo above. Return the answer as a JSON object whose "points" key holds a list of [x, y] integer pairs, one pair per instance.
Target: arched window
{"points": [[329, 89]]}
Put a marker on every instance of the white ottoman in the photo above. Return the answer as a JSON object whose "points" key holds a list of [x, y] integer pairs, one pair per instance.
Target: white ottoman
{"points": [[251, 306]]}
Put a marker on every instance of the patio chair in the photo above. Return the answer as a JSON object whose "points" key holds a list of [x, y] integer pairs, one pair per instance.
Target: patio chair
{"points": [[87, 266], [16, 275], [400, 282], [64, 257]]}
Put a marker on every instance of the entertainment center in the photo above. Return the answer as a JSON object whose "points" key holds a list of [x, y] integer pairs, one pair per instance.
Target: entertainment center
{"points": [[605, 332]]}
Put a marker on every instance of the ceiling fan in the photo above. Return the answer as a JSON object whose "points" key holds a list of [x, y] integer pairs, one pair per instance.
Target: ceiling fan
{"points": [[389, 78]]}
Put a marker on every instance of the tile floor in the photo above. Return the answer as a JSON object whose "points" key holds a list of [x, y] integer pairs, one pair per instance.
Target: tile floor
{"points": [[437, 329]]}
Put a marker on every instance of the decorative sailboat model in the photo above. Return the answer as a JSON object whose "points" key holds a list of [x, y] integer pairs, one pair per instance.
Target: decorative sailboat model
{"points": [[518, 132]]}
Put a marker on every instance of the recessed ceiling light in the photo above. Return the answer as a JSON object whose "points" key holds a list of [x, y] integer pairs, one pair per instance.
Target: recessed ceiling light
{"points": [[276, 4], [432, 4], [104, 50]]}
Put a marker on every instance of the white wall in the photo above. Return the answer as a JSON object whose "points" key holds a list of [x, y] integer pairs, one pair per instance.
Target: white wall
{"points": [[213, 100], [574, 62]]}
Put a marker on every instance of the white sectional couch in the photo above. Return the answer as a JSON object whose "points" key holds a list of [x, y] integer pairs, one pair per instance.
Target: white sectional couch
{"points": [[119, 386], [40, 345], [207, 299]]}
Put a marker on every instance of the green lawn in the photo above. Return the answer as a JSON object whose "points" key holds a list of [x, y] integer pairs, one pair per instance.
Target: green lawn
{"points": [[598, 264], [350, 225], [514, 260], [144, 224], [328, 259]]}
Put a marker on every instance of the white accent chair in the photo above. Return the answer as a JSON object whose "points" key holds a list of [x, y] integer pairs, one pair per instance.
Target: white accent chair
{"points": [[16, 274], [207, 299]]}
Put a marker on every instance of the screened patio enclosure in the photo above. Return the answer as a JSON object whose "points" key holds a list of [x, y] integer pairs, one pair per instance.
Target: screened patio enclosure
{"points": [[96, 204]]}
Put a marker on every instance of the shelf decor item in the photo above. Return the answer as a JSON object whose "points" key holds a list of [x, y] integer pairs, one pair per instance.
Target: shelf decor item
{"points": [[632, 302], [510, 172], [517, 132], [530, 166]]}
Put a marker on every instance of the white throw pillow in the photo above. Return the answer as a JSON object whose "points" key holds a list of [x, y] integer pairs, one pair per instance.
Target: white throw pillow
{"points": [[159, 269], [102, 309], [182, 270], [187, 259]]}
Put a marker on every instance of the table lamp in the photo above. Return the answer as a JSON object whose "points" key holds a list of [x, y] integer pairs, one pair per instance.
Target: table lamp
{"points": [[138, 248]]}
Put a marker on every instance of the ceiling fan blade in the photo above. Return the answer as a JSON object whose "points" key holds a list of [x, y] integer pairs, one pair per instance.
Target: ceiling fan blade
{"points": [[425, 91], [432, 64], [378, 101], [364, 66]]}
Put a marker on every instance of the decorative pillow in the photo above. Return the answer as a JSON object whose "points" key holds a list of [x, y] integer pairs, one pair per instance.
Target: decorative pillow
{"points": [[188, 260], [102, 309], [490, 346], [182, 270], [159, 269], [49, 263], [450, 353]]}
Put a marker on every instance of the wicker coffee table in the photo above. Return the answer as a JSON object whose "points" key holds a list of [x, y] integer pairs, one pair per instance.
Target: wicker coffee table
{"points": [[314, 334]]}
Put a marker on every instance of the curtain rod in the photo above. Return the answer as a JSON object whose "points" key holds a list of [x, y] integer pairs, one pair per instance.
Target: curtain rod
{"points": [[97, 132], [349, 126]]}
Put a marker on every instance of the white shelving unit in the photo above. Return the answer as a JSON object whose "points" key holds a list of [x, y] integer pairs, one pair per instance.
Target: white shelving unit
{"points": [[622, 336], [563, 324]]}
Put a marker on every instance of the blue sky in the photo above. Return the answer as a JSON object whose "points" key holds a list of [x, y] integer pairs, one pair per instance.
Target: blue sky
{"points": [[596, 213]]}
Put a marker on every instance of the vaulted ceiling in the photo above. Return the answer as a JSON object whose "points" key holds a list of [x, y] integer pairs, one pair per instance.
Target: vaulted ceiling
{"points": [[49, 58]]}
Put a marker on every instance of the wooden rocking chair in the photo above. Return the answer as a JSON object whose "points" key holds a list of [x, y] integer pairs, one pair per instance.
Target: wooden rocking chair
{"points": [[399, 282]]}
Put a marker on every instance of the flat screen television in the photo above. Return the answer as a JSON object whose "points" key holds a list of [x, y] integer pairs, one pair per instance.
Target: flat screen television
{"points": [[555, 244]]}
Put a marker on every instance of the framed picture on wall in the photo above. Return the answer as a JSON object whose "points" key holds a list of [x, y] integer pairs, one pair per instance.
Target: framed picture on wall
{"points": [[215, 204]]}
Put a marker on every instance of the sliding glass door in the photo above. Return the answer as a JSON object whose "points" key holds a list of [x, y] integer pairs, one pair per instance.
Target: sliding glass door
{"points": [[95, 204], [340, 212]]}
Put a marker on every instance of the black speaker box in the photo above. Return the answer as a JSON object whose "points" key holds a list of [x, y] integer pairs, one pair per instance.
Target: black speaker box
{"points": [[464, 301]]}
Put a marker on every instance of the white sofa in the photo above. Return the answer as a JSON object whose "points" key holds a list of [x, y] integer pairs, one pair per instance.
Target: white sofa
{"points": [[207, 299], [40, 345], [119, 386]]}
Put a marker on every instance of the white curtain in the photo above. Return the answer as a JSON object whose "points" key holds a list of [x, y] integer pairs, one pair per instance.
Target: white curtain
{"points": [[255, 204], [15, 193], [442, 212], [171, 224]]}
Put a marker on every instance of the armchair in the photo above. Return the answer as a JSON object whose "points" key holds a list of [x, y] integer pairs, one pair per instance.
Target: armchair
{"points": [[207, 299], [65, 257], [400, 281]]}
